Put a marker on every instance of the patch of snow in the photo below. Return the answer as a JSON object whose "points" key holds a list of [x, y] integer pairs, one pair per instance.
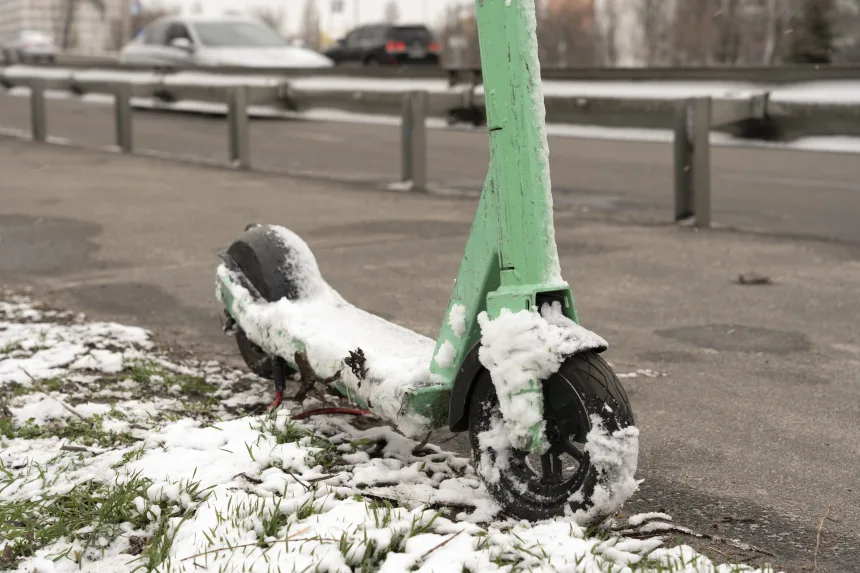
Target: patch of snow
{"points": [[51, 348], [846, 92], [457, 320], [495, 451], [347, 84], [614, 456], [536, 92], [407, 185], [645, 372], [640, 518], [519, 349], [446, 355]]}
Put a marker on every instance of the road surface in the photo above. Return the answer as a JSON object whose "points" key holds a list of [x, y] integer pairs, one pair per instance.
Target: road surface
{"points": [[751, 434], [779, 191]]}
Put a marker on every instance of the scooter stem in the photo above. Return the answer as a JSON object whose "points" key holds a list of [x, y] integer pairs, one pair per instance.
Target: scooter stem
{"points": [[519, 154]]}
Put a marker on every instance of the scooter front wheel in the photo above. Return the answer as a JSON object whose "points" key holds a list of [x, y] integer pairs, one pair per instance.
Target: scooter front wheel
{"points": [[535, 487]]}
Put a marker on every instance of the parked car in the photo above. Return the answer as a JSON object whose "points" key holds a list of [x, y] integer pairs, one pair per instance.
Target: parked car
{"points": [[30, 46], [386, 44], [217, 41]]}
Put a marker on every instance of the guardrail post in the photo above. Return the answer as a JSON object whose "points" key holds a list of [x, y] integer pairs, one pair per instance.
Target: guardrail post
{"points": [[237, 119], [693, 160], [123, 119], [38, 116], [414, 139]]}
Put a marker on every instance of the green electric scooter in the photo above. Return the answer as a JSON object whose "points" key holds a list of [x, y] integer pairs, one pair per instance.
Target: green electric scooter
{"points": [[287, 319]]}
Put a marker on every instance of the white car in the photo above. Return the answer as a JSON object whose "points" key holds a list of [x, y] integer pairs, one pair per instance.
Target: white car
{"points": [[217, 41], [30, 46]]}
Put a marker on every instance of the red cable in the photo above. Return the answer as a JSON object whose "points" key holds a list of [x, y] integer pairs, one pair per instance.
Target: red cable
{"points": [[279, 397], [332, 411]]}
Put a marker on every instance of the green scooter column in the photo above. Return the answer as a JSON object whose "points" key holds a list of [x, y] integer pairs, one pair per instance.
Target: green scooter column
{"points": [[511, 256]]}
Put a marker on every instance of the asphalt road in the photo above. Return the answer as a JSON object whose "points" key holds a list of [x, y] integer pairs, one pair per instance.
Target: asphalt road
{"points": [[778, 191], [751, 434]]}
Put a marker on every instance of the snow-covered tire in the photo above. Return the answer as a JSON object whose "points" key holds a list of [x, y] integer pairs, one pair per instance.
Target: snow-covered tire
{"points": [[583, 387], [267, 264], [257, 360]]}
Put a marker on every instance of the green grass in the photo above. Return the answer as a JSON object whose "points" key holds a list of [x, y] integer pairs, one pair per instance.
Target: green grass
{"points": [[327, 455], [34, 523], [88, 432], [150, 374], [11, 347], [157, 550]]}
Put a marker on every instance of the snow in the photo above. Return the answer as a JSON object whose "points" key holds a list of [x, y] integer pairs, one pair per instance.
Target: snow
{"points": [[111, 76], [521, 348], [446, 355], [457, 319], [535, 88], [614, 455], [351, 84], [845, 92], [203, 79], [639, 519], [55, 347], [240, 495]]}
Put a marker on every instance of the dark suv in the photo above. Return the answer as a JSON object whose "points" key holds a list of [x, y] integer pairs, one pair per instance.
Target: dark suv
{"points": [[385, 44]]}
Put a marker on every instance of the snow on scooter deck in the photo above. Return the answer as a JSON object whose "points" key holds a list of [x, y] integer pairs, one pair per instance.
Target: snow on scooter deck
{"points": [[389, 363]]}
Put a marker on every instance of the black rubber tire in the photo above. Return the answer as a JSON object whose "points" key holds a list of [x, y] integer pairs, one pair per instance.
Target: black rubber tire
{"points": [[260, 363], [266, 263], [595, 385]]}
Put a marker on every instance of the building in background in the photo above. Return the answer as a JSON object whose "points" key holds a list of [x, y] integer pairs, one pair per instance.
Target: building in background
{"points": [[86, 26]]}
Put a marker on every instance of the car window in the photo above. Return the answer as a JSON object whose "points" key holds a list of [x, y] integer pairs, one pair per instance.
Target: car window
{"points": [[176, 30], [354, 37], [376, 35], [154, 33], [410, 34], [237, 34]]}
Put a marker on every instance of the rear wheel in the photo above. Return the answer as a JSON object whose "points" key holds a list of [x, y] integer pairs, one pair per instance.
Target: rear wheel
{"points": [[266, 263], [534, 487], [259, 362]]}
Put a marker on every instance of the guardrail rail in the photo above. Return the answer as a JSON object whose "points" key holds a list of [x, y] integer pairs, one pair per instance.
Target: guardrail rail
{"points": [[692, 118]]}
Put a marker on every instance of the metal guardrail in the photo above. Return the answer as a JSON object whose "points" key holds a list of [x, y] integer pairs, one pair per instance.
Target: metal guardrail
{"points": [[694, 119], [775, 75], [237, 99]]}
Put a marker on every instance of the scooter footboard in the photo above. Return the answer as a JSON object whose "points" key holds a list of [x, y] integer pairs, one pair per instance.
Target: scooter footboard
{"points": [[375, 363]]}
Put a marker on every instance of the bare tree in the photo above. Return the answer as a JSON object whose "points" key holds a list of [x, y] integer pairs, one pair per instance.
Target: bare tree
{"points": [[311, 25], [606, 27], [274, 17], [848, 31], [813, 38], [69, 16], [656, 20], [727, 33], [565, 35], [392, 12], [458, 33], [695, 32], [774, 30], [138, 23]]}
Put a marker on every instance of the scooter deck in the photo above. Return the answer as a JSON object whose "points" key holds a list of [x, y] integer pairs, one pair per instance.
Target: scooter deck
{"points": [[379, 365]]}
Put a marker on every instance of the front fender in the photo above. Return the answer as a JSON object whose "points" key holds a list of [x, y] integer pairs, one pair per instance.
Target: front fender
{"points": [[461, 393]]}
